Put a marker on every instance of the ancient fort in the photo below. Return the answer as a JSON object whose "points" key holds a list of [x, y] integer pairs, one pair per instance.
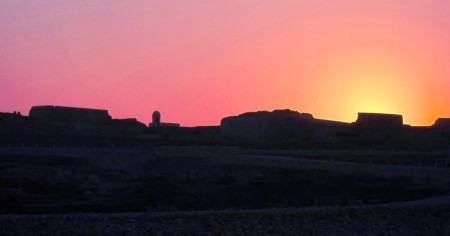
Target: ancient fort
{"points": [[57, 126]]}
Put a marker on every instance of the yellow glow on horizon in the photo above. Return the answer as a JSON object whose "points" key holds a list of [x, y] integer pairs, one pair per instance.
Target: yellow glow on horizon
{"points": [[365, 81]]}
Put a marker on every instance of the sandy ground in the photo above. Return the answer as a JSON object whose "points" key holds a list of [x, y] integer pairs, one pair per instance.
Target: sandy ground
{"points": [[376, 220], [421, 217]]}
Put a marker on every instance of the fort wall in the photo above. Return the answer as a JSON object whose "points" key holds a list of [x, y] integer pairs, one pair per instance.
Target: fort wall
{"points": [[68, 114]]}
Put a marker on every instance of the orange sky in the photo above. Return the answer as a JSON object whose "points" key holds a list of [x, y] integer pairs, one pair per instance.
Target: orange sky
{"points": [[198, 62]]}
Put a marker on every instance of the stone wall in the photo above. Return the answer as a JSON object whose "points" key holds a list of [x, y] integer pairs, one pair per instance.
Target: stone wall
{"points": [[68, 114], [442, 122], [378, 130], [379, 120], [277, 127], [289, 129]]}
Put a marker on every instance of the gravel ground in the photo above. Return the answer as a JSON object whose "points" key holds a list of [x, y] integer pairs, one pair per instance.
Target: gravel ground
{"points": [[378, 220]]}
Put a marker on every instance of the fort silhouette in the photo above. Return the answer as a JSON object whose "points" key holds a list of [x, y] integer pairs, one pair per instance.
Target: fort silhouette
{"points": [[79, 160], [71, 126]]}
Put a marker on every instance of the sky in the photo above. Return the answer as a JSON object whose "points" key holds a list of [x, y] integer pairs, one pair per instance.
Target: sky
{"points": [[199, 61]]}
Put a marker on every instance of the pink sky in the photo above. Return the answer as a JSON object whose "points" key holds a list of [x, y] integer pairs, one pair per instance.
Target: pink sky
{"points": [[199, 61]]}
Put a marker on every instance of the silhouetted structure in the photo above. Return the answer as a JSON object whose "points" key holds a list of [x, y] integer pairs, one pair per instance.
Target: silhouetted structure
{"points": [[377, 120], [290, 129], [442, 122], [68, 114], [70, 126], [156, 122], [379, 129], [279, 126], [156, 118]]}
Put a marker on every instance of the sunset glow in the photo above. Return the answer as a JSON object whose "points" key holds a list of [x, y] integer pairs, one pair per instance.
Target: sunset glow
{"points": [[199, 61]]}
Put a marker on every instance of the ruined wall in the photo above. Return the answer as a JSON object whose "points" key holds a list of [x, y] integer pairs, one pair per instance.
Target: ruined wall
{"points": [[377, 130], [243, 128], [441, 130], [442, 122], [288, 129], [68, 114], [277, 127], [376, 120], [332, 133]]}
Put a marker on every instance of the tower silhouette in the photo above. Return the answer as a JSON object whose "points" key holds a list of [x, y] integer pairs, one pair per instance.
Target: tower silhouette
{"points": [[156, 118]]}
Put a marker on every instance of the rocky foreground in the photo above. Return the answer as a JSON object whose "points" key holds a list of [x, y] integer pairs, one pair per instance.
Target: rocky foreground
{"points": [[376, 220]]}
